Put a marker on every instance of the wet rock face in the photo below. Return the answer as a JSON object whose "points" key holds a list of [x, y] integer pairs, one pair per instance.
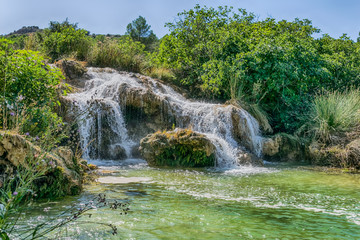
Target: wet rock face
{"points": [[271, 147], [144, 111], [180, 147], [241, 129], [249, 159], [354, 153], [62, 167], [104, 134]]}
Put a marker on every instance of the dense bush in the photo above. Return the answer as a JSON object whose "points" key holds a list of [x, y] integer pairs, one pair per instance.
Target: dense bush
{"points": [[342, 57], [28, 90], [24, 73], [64, 39]]}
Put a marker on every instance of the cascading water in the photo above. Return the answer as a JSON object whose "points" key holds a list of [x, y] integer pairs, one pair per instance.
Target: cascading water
{"points": [[100, 107]]}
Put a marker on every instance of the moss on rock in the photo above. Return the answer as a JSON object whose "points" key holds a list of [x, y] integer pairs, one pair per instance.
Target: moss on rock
{"points": [[341, 156], [178, 148]]}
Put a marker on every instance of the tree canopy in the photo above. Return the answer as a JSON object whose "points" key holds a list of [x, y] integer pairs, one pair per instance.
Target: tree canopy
{"points": [[140, 31], [277, 65]]}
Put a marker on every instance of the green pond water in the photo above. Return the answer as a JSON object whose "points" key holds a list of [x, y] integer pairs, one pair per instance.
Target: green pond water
{"points": [[272, 202]]}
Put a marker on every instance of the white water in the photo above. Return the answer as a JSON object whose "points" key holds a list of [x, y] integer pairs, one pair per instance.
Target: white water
{"points": [[101, 98]]}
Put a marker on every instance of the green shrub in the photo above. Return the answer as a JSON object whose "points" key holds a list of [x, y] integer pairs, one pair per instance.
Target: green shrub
{"points": [[33, 41], [25, 73], [28, 92], [104, 54], [276, 65], [342, 58], [18, 40]]}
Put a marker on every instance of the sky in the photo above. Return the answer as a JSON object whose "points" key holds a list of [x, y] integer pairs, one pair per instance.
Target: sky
{"points": [[334, 17]]}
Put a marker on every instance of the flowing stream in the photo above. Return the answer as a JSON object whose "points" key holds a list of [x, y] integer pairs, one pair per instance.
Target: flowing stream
{"points": [[272, 202], [227, 201]]}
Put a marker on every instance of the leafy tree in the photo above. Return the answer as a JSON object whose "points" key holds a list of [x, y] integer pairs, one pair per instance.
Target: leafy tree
{"points": [[140, 31], [343, 60]]}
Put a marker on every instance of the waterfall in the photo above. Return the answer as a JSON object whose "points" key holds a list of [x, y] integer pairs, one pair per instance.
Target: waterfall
{"points": [[101, 106]]}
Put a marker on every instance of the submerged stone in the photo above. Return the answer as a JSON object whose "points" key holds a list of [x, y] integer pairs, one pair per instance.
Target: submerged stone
{"points": [[180, 147]]}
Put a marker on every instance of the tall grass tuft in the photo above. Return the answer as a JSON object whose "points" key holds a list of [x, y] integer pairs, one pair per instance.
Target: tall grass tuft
{"points": [[334, 113], [105, 54], [124, 54], [161, 73], [260, 115]]}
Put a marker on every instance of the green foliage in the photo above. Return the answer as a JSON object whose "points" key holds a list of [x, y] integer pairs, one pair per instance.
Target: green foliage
{"points": [[17, 40], [343, 60], [28, 91], [160, 73], [33, 41], [333, 113], [185, 156], [25, 73], [65, 39]]}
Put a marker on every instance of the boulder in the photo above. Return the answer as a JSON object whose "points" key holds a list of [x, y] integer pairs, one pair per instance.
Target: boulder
{"points": [[63, 172], [180, 147], [271, 147], [353, 154], [283, 147]]}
